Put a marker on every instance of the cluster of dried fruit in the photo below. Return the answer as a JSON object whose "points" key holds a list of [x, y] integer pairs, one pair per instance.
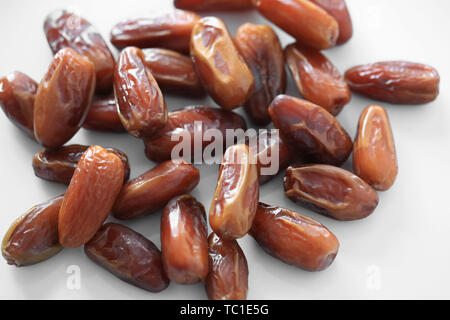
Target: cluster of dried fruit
{"points": [[247, 70]]}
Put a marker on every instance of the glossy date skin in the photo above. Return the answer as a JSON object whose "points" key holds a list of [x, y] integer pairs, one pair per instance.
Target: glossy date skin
{"points": [[221, 68], [293, 238], [65, 29], [398, 82], [63, 98], [103, 115], [228, 270], [154, 189], [331, 191], [159, 147], [306, 22], [171, 31], [216, 5], [261, 50], [374, 156], [129, 256], [140, 102], [310, 130], [317, 79], [184, 242], [33, 237]]}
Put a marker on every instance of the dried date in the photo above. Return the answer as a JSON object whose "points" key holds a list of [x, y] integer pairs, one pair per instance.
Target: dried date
{"points": [[103, 115], [216, 5]]}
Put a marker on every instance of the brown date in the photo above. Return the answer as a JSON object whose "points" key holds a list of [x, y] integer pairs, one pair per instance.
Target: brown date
{"points": [[184, 242], [317, 78], [306, 22], [129, 256], [103, 115], [234, 203], [395, 81], [216, 5], [374, 157], [153, 190], [63, 98], [65, 29], [33, 237], [331, 191], [293, 238], [228, 270], [171, 31], [17, 94], [159, 147], [90, 196], [222, 70], [261, 49]]}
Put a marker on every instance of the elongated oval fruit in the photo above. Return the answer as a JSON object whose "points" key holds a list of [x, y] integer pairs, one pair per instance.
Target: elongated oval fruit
{"points": [[374, 157], [129, 256], [293, 238], [17, 94], [261, 49], [221, 68], [140, 102], [309, 129], [159, 147], [395, 81], [33, 237], [228, 270], [317, 78], [184, 242], [306, 22], [63, 98], [234, 203], [331, 191], [103, 115], [155, 188], [90, 196], [171, 31], [65, 29], [215, 5]]}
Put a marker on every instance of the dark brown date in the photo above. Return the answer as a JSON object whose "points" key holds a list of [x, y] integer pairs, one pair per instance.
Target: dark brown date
{"points": [[216, 5], [103, 115]]}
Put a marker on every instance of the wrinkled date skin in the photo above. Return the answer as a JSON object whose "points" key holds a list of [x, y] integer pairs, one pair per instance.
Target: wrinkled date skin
{"points": [[221, 68], [228, 270], [159, 147], [331, 191], [154, 189], [317, 78], [398, 82], [184, 243], [103, 115], [234, 203], [33, 237], [129, 256], [261, 49], [141, 105], [170, 31], [63, 98], [306, 22], [310, 130], [64, 29], [173, 71], [216, 5], [293, 238], [90, 196], [59, 165], [374, 156]]}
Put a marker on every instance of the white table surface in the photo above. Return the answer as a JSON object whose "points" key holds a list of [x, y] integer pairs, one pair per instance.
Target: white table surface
{"points": [[400, 251]]}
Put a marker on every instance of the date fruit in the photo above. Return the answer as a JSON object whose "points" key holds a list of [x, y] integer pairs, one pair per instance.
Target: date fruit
{"points": [[215, 5], [129, 256], [222, 70], [184, 243], [261, 49], [228, 270], [33, 237], [154, 189], [63, 98], [374, 157], [331, 191], [90, 196], [103, 115], [395, 81]]}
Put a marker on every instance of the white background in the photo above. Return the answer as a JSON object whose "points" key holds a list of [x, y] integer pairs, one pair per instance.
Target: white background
{"points": [[400, 251]]}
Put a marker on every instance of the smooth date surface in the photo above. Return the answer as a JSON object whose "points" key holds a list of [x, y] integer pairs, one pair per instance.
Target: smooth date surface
{"points": [[205, 5], [103, 115]]}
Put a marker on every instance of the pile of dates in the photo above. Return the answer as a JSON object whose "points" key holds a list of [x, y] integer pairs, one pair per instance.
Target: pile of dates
{"points": [[183, 53]]}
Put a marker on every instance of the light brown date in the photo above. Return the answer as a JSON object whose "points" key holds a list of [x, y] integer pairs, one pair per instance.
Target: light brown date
{"points": [[216, 5], [103, 115]]}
